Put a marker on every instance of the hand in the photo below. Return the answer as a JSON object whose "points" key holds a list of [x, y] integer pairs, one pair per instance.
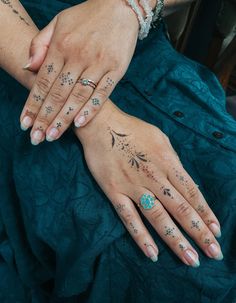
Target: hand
{"points": [[130, 158], [94, 40]]}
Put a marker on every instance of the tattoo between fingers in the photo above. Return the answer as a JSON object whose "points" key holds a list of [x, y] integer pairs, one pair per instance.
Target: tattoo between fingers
{"points": [[8, 3]]}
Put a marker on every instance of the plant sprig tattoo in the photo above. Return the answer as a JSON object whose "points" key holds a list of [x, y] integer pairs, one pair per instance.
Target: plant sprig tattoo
{"points": [[9, 4]]}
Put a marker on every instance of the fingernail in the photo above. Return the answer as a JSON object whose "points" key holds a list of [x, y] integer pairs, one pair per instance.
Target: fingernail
{"points": [[191, 258], [36, 137], [79, 122], [215, 229], [152, 253], [53, 133], [215, 251], [28, 64], [26, 123]]}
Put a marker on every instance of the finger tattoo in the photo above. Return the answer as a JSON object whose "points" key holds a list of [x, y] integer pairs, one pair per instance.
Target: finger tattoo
{"points": [[66, 79], [9, 4]]}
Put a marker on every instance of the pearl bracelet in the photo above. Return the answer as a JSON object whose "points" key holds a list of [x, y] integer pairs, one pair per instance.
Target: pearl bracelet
{"points": [[150, 18], [158, 11]]}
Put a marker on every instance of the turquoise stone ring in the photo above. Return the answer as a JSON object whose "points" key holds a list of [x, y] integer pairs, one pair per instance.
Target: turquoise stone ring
{"points": [[147, 201]]}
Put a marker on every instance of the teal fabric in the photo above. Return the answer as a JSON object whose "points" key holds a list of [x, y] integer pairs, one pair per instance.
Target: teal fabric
{"points": [[60, 238]]}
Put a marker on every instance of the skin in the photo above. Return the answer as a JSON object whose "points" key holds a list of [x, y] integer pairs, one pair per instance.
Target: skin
{"points": [[82, 42], [132, 165]]}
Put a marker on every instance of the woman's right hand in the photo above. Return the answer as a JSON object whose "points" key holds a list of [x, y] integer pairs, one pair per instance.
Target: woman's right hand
{"points": [[130, 158]]}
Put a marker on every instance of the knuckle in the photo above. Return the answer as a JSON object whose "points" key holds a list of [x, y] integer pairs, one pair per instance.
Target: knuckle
{"points": [[56, 97], [158, 215], [183, 209], [64, 42], [43, 85], [79, 97], [192, 193], [65, 120], [102, 92]]}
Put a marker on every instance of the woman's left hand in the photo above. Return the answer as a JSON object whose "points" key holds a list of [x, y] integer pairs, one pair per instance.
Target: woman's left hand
{"points": [[94, 40]]}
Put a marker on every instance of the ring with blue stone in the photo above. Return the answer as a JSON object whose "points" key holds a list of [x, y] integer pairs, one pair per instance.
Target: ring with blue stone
{"points": [[147, 201]]}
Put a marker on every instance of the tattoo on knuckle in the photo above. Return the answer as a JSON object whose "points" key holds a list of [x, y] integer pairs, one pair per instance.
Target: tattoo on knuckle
{"points": [[183, 209]]}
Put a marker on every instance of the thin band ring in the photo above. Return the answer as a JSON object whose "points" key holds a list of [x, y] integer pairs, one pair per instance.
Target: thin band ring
{"points": [[87, 82]]}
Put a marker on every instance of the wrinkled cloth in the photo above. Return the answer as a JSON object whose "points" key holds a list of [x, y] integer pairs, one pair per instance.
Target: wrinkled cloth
{"points": [[60, 238]]}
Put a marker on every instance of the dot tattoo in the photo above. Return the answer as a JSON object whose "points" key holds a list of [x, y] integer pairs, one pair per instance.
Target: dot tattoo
{"points": [[8, 3], [48, 110], [38, 98], [201, 208], [70, 109], [195, 224], [86, 112], [120, 207], [66, 79], [169, 231], [58, 125], [109, 83], [133, 228], [207, 241], [50, 68], [182, 247], [95, 101]]}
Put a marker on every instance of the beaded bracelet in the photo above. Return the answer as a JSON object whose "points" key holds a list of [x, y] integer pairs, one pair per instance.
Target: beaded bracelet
{"points": [[158, 14]]}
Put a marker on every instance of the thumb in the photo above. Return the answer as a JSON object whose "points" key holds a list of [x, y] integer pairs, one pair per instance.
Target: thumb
{"points": [[39, 47]]}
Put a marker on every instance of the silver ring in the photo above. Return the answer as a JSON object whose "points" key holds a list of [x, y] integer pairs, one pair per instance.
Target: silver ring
{"points": [[87, 82]]}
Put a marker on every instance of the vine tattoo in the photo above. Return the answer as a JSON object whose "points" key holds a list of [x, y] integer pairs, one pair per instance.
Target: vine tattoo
{"points": [[8, 3]]}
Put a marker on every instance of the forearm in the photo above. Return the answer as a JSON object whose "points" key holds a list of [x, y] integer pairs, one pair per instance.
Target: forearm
{"points": [[15, 40]]}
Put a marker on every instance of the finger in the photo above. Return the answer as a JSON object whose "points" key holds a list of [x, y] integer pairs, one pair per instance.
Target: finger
{"points": [[153, 210], [183, 183], [43, 83], [54, 102], [133, 223], [189, 219], [80, 94], [39, 47], [98, 98]]}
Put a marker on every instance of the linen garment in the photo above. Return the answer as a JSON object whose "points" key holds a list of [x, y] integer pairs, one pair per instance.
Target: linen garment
{"points": [[60, 238]]}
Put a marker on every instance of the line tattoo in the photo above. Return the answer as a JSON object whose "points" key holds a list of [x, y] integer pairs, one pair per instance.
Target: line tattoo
{"points": [[8, 3]]}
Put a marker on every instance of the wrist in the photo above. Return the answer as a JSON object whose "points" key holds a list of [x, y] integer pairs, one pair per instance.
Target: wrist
{"points": [[109, 115]]}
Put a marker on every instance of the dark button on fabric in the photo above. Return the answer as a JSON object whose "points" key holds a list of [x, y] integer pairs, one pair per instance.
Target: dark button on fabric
{"points": [[178, 114], [218, 135]]}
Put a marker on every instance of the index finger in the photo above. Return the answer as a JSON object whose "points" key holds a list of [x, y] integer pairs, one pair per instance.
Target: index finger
{"points": [[47, 75]]}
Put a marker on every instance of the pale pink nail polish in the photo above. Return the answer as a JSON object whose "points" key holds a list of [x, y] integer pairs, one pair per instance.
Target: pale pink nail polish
{"points": [[28, 64], [215, 251], [191, 258], [53, 133], [36, 137], [80, 121], [152, 253], [215, 229], [26, 123]]}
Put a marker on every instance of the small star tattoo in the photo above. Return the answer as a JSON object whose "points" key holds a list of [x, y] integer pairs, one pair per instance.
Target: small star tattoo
{"points": [[195, 224], [95, 101], [169, 231], [59, 124]]}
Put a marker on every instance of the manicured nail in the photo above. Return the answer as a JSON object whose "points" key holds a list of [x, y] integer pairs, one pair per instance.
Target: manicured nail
{"points": [[79, 122], [28, 64], [152, 253], [36, 137], [215, 251], [215, 229], [26, 123], [53, 133], [191, 258]]}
